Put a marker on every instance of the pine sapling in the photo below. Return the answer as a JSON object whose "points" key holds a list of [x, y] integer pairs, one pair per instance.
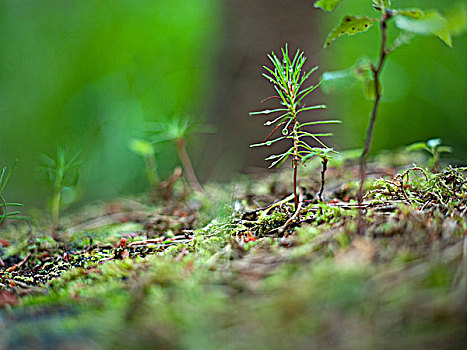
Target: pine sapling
{"points": [[288, 80], [178, 129]]}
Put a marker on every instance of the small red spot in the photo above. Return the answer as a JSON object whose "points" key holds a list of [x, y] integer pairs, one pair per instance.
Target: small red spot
{"points": [[4, 242], [249, 237], [125, 254]]}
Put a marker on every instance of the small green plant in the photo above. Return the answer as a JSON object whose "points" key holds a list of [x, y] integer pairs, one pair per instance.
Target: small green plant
{"points": [[410, 22], [63, 174], [178, 129], [434, 147], [288, 78], [4, 214], [146, 150]]}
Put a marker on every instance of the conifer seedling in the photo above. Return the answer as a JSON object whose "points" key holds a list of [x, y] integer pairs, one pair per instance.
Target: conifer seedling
{"points": [[178, 129], [62, 174], [288, 78]]}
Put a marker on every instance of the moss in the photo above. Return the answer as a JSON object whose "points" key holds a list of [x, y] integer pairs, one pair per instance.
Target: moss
{"points": [[213, 290], [270, 222]]}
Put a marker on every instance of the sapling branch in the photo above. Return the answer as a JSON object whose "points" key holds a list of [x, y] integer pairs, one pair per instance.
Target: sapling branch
{"points": [[376, 71]]}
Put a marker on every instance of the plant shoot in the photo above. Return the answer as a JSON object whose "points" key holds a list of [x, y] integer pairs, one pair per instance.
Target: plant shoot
{"points": [[288, 79]]}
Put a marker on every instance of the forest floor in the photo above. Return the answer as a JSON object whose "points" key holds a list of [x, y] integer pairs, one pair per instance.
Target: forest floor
{"points": [[238, 268]]}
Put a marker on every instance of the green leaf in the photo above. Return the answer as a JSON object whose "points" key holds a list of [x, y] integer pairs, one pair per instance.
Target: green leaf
{"points": [[311, 108], [68, 194], [3, 181], [268, 111], [433, 143], [345, 79], [141, 147], [444, 149], [387, 3], [267, 143], [327, 5], [349, 25], [318, 122], [456, 17], [431, 23], [417, 146], [402, 39], [338, 80], [414, 13]]}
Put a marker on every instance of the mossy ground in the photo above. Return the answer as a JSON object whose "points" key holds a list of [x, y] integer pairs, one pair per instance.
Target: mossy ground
{"points": [[215, 272]]}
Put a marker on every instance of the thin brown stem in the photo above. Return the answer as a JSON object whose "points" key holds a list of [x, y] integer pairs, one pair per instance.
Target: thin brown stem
{"points": [[295, 159], [323, 172], [369, 134], [186, 163], [295, 196]]}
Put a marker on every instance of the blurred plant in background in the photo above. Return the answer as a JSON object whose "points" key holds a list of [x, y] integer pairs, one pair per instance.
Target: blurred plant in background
{"points": [[178, 129], [4, 178], [62, 173], [89, 72], [434, 147], [146, 150]]}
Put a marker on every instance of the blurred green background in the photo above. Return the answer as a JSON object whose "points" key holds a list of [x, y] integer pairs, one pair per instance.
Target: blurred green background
{"points": [[88, 74]]}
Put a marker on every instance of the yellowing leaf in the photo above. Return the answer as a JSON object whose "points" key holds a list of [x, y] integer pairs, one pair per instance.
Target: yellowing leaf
{"points": [[327, 5], [349, 25]]}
